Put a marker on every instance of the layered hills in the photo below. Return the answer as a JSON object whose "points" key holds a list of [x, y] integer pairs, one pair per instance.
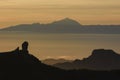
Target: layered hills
{"points": [[100, 59], [51, 61], [21, 65]]}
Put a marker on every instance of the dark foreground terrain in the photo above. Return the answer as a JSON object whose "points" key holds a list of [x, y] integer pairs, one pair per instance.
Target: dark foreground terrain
{"points": [[100, 59], [20, 65]]}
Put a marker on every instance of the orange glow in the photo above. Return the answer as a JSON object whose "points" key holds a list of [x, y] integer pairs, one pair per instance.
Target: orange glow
{"points": [[14, 12]]}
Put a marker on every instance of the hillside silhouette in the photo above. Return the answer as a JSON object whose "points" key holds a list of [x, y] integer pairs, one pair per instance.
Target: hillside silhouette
{"points": [[100, 59], [65, 26], [21, 65], [51, 61]]}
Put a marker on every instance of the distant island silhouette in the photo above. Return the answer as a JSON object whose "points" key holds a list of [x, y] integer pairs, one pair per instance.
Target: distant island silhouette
{"points": [[21, 65], [65, 26]]}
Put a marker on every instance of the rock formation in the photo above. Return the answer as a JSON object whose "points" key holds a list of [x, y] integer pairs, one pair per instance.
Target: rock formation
{"points": [[25, 47]]}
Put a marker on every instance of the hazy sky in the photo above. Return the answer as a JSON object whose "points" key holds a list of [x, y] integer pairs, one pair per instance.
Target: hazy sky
{"points": [[14, 12]]}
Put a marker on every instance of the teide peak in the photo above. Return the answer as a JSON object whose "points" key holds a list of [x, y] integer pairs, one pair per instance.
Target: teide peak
{"points": [[62, 26], [65, 26]]}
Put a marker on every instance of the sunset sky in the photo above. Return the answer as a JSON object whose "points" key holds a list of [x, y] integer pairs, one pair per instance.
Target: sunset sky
{"points": [[13, 12]]}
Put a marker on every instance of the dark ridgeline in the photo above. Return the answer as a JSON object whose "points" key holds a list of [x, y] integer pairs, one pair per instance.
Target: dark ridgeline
{"points": [[65, 26], [100, 59], [20, 65], [51, 61]]}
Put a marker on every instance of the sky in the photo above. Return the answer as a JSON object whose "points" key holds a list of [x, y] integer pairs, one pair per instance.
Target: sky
{"points": [[13, 12]]}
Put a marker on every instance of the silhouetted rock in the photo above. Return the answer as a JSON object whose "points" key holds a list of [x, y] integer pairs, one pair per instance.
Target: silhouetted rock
{"points": [[25, 47], [99, 60], [15, 65], [20, 65]]}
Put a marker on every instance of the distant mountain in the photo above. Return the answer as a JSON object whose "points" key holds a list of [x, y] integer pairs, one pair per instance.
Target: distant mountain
{"points": [[51, 61], [99, 60], [65, 26]]}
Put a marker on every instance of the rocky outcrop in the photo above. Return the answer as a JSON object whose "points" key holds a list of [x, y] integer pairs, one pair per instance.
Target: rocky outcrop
{"points": [[21, 65], [100, 59]]}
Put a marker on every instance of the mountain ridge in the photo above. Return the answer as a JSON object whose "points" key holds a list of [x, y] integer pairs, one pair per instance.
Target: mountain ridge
{"points": [[65, 26], [100, 59], [21, 65], [51, 61]]}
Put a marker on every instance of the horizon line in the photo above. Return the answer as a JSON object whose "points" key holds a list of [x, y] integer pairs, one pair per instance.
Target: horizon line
{"points": [[61, 20]]}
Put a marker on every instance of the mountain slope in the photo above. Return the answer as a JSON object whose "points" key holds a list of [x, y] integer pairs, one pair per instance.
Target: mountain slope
{"points": [[20, 65], [65, 26], [16, 65], [99, 60]]}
